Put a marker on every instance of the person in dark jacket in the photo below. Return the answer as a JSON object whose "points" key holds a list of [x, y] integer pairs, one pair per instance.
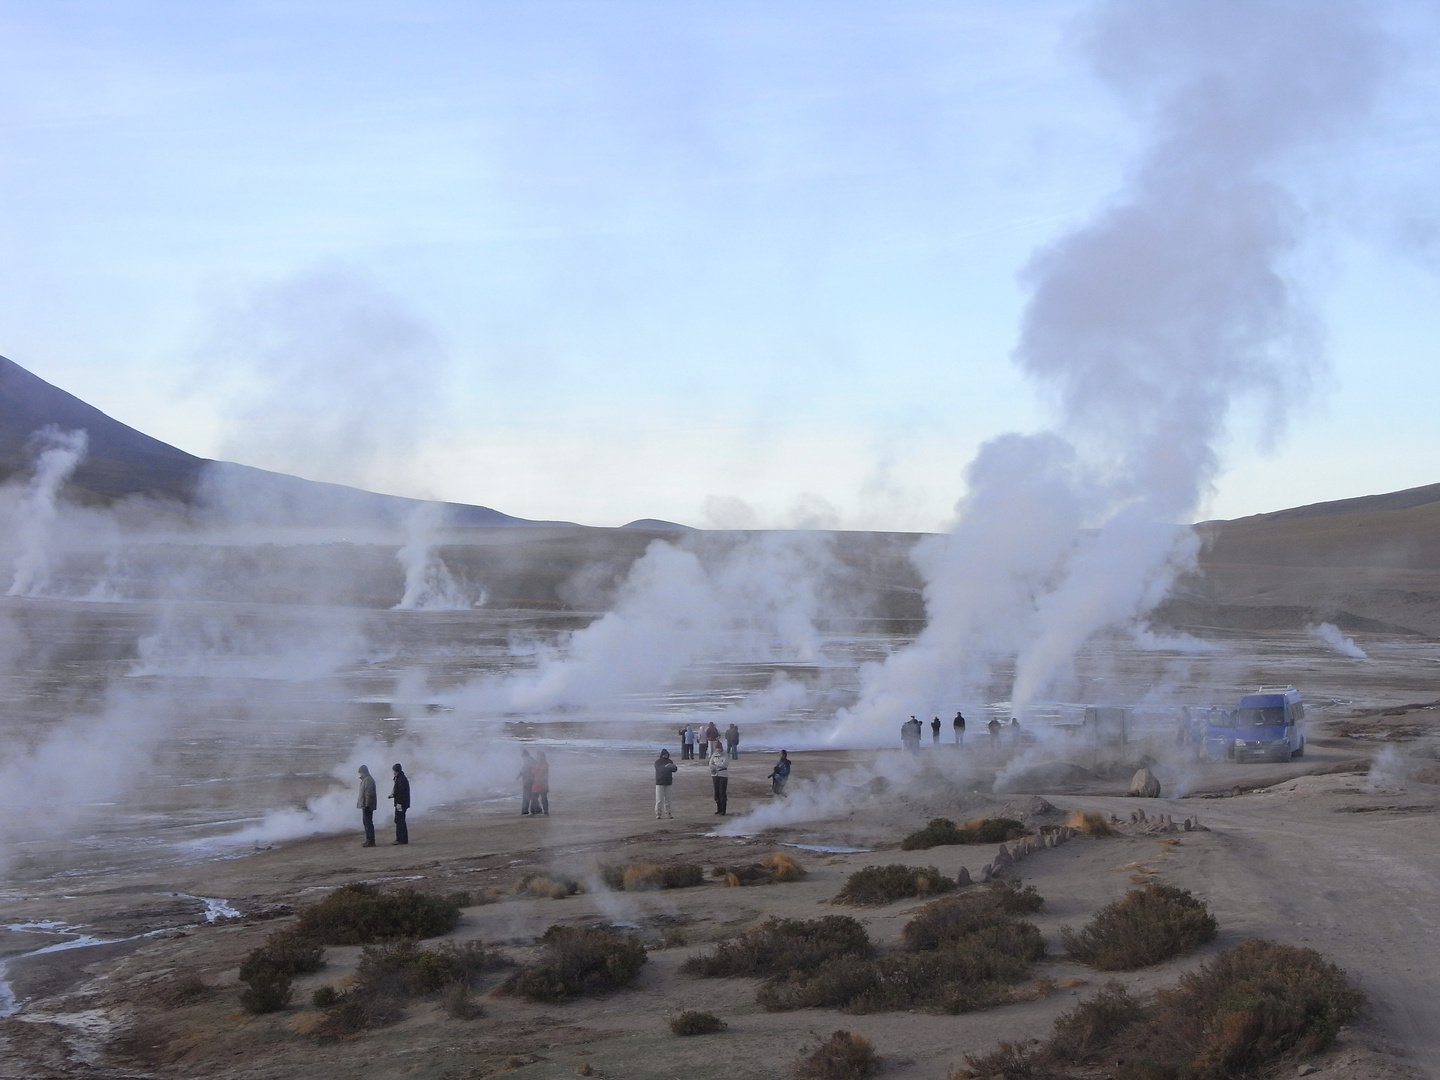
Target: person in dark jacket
{"points": [[959, 724], [400, 793], [664, 779], [732, 742], [779, 775], [526, 776], [935, 730], [367, 804], [994, 729], [720, 775]]}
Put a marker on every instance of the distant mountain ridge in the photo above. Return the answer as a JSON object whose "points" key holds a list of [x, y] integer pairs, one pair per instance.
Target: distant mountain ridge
{"points": [[121, 462]]}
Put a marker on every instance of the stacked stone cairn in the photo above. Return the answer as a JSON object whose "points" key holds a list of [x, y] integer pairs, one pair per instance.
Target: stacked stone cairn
{"points": [[1007, 855]]}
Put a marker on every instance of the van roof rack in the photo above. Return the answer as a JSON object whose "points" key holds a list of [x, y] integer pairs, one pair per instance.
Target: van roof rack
{"points": [[1274, 688]]}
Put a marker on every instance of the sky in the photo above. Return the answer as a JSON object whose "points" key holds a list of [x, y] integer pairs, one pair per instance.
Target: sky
{"points": [[731, 264]]}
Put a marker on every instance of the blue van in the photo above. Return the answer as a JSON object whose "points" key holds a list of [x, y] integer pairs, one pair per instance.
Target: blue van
{"points": [[1267, 725]]}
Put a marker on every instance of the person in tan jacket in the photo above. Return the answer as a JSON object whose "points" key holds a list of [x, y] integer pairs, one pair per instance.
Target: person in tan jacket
{"points": [[719, 773], [366, 803]]}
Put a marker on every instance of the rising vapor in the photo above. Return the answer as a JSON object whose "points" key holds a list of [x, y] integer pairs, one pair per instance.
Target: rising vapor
{"points": [[1145, 329]]}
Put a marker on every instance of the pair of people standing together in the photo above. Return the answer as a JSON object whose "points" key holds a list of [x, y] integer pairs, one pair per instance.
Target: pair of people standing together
{"points": [[534, 780], [368, 801]]}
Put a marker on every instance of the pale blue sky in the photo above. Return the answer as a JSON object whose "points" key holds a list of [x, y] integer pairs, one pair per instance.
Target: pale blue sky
{"points": [[646, 259]]}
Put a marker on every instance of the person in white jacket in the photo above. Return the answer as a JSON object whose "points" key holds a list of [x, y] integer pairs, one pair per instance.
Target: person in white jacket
{"points": [[719, 774]]}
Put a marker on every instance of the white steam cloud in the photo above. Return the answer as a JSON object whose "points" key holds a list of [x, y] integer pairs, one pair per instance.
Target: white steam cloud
{"points": [[1146, 328], [429, 584], [1330, 634], [60, 452]]}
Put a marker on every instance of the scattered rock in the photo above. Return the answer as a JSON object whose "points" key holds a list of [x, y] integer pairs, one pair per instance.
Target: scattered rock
{"points": [[1002, 858], [1143, 785], [963, 877], [584, 1069], [1305, 1070]]}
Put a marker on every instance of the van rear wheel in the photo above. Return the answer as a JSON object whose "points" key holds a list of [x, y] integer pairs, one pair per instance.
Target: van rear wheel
{"points": [[1300, 750]]}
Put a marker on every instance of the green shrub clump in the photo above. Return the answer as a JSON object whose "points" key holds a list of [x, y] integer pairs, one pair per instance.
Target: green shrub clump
{"points": [[961, 953], [843, 1056], [780, 946], [942, 831], [361, 914], [1253, 1007], [1145, 926], [578, 961], [268, 971], [692, 1022], [877, 885]]}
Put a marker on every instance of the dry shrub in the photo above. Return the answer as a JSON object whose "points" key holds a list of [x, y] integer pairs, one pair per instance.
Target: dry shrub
{"points": [[950, 918], [783, 866], [182, 988], [1253, 1007], [361, 914], [732, 880], [646, 877], [1145, 926], [547, 886], [1090, 822], [455, 1000], [943, 831], [578, 961], [267, 971], [692, 1022], [876, 885], [640, 877], [780, 946], [843, 1056]]}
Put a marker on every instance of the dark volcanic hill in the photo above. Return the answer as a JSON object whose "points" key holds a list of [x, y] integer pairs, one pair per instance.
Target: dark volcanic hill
{"points": [[121, 462]]}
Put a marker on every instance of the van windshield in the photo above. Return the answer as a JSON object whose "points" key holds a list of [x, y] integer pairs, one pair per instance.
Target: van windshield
{"points": [[1269, 716]]}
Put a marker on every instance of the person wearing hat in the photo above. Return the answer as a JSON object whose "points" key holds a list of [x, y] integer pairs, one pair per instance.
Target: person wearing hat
{"points": [[400, 793], [664, 779]]}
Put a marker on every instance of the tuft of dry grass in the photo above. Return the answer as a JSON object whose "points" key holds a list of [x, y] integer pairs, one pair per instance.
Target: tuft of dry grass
{"points": [[693, 1022], [547, 886], [1090, 822], [783, 866], [1254, 1007], [647, 877], [876, 885], [846, 1055], [1144, 927]]}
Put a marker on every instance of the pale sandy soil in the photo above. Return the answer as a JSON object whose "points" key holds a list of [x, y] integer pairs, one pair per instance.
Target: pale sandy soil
{"points": [[1337, 860]]}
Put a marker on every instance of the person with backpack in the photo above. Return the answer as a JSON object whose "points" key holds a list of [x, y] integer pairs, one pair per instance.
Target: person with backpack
{"points": [[779, 775]]}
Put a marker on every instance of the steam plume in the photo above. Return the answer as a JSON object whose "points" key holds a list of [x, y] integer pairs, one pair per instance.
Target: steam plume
{"points": [[60, 452], [1145, 329]]}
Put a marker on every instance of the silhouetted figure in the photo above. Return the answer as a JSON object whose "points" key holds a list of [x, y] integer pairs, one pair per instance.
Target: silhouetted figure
{"points": [[959, 724], [664, 778], [779, 775], [526, 776], [400, 793], [367, 802], [1014, 731], [732, 742], [994, 728], [935, 730], [540, 786]]}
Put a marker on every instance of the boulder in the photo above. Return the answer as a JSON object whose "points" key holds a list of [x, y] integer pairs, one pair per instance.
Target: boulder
{"points": [[1002, 857], [963, 877], [1143, 785]]}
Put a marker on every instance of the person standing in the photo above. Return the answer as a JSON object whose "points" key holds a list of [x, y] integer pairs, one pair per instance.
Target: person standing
{"points": [[367, 804], [684, 746], [540, 786], [959, 725], [526, 776], [935, 730], [732, 742], [1014, 731], [687, 748], [994, 728], [712, 733], [664, 779], [779, 775], [719, 774], [400, 793]]}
